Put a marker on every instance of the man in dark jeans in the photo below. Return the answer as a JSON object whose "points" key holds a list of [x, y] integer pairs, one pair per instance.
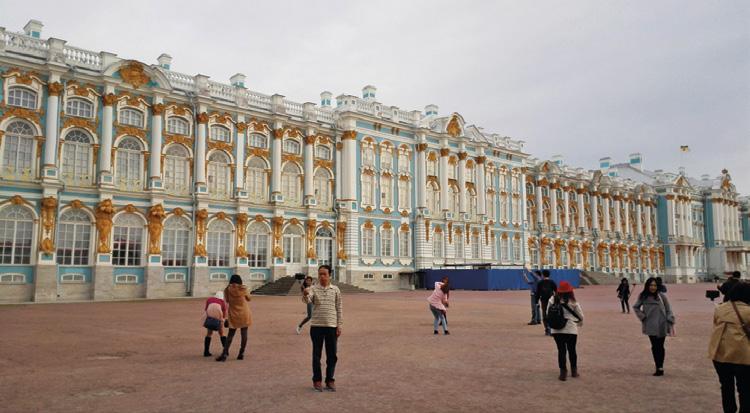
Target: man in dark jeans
{"points": [[545, 289], [532, 279], [325, 326]]}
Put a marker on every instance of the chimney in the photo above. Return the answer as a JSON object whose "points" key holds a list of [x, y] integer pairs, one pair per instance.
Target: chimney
{"points": [[604, 164], [238, 80], [557, 159], [325, 99], [431, 110], [636, 160], [368, 92], [165, 61], [33, 28]]}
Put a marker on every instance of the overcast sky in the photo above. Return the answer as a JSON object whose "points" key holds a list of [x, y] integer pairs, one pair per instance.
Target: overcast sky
{"points": [[583, 79]]}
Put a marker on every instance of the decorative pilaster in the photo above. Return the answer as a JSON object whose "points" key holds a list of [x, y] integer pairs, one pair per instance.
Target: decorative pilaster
{"points": [[421, 174], [157, 111], [553, 205], [594, 211], [200, 155], [638, 219], [605, 208], [566, 208], [539, 209], [239, 172], [309, 168], [51, 132], [462, 181], [618, 221], [444, 201], [581, 210], [105, 154], [349, 162], [481, 190]]}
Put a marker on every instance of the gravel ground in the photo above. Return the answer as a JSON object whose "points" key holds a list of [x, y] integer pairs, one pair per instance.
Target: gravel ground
{"points": [[146, 356]]}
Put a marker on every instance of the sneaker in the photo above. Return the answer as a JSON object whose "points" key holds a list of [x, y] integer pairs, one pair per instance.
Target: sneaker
{"points": [[331, 385], [659, 372], [299, 330], [317, 386], [447, 333], [435, 332]]}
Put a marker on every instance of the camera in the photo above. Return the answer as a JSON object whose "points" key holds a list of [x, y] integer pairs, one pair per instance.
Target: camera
{"points": [[712, 294]]}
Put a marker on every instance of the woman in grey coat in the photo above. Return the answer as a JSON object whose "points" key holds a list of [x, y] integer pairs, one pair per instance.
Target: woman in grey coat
{"points": [[655, 313]]}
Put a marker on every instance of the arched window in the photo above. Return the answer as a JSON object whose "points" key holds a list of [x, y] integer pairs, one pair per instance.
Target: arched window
{"points": [[18, 150], [22, 97], [219, 243], [404, 164], [291, 146], [452, 167], [472, 198], [128, 240], [386, 242], [490, 205], [368, 189], [368, 156], [323, 152], [404, 243], [368, 242], [516, 183], [516, 249], [16, 233], [504, 249], [129, 166], [176, 170], [257, 179], [404, 194], [324, 246], [178, 126], [79, 107], [386, 157], [433, 198], [218, 175], [471, 173], [476, 245], [322, 187], [290, 183], [257, 141], [293, 247], [386, 191], [432, 167], [504, 207], [77, 159], [220, 133], [437, 244], [74, 238], [257, 245], [455, 202], [131, 117], [516, 210], [458, 242], [175, 244]]}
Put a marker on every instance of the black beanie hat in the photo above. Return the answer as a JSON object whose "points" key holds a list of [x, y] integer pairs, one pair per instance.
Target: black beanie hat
{"points": [[236, 279]]}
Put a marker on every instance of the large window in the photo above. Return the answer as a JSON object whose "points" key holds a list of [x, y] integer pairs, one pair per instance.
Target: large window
{"points": [[368, 188], [128, 240], [176, 170], [433, 198], [219, 243], [74, 238], [22, 97], [291, 146], [504, 207], [257, 179], [218, 175], [324, 246], [290, 183], [404, 194], [386, 191], [79, 107], [368, 242], [16, 232], [386, 242], [476, 245], [403, 162], [432, 166], [386, 158], [458, 242], [220, 133], [504, 247], [368, 156], [178, 126], [490, 208], [257, 245], [455, 202], [472, 198], [516, 249], [404, 243], [257, 141], [323, 152], [175, 245], [18, 150], [129, 166], [322, 187], [437, 244], [293, 244], [131, 117], [76, 159]]}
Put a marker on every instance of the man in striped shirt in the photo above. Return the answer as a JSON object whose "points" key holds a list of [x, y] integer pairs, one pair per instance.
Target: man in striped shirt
{"points": [[325, 326]]}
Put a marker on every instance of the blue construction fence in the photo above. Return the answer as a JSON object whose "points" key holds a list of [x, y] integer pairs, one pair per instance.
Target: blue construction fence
{"points": [[494, 279]]}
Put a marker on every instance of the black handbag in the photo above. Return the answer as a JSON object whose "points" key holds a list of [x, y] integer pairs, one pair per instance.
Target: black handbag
{"points": [[212, 323]]}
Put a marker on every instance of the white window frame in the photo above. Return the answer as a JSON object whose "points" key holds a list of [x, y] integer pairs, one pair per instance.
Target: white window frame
{"points": [[74, 232], [220, 244], [293, 244], [258, 245], [18, 151], [178, 125], [81, 156], [72, 278], [79, 107], [220, 133], [174, 166], [290, 184], [292, 146], [134, 237], [256, 140], [256, 181], [368, 242], [131, 179], [17, 227], [12, 278], [132, 117], [219, 176], [22, 97], [386, 242], [175, 243], [404, 243]]}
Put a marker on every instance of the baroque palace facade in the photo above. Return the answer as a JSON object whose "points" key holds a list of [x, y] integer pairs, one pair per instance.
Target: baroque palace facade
{"points": [[123, 180]]}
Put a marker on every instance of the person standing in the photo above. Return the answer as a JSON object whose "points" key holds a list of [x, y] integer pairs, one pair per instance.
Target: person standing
{"points": [[623, 293], [325, 326], [439, 305], [215, 311], [545, 289], [237, 297], [567, 336], [532, 279], [307, 283], [729, 347], [657, 319], [734, 277], [660, 285]]}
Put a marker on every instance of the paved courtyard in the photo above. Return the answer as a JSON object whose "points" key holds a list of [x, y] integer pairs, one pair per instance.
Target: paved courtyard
{"points": [[147, 356]]}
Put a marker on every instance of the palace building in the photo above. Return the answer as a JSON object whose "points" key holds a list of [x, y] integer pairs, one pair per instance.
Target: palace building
{"points": [[122, 179]]}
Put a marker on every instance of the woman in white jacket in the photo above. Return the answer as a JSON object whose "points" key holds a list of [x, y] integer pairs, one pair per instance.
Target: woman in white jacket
{"points": [[567, 335]]}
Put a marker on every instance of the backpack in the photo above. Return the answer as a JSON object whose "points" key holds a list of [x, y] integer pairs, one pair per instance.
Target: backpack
{"points": [[556, 314]]}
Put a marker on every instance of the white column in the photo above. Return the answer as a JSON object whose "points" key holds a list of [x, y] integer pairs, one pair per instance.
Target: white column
{"points": [[594, 212], [278, 134], [648, 219], [481, 191], [581, 210], [421, 181], [239, 171], [626, 207], [638, 220], [51, 126], [157, 111], [522, 213], [689, 218], [337, 179], [309, 165], [671, 230], [444, 203], [108, 100], [553, 205], [349, 167], [605, 207], [539, 209], [462, 180], [566, 207], [200, 150], [618, 219]]}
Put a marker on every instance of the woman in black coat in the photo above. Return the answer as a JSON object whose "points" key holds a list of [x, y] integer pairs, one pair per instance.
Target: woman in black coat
{"points": [[623, 293]]}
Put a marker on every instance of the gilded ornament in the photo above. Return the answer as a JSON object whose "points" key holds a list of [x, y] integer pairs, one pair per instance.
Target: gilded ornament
{"points": [[203, 117], [76, 204], [47, 246], [155, 220], [201, 218], [104, 213], [278, 133], [157, 109], [242, 220], [350, 134], [453, 128], [241, 127], [340, 238], [259, 218], [178, 211], [310, 139], [481, 159], [130, 130], [221, 215], [421, 147], [109, 99], [277, 223], [49, 210], [445, 151], [339, 146], [30, 115], [133, 73], [79, 123], [54, 88], [311, 253]]}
